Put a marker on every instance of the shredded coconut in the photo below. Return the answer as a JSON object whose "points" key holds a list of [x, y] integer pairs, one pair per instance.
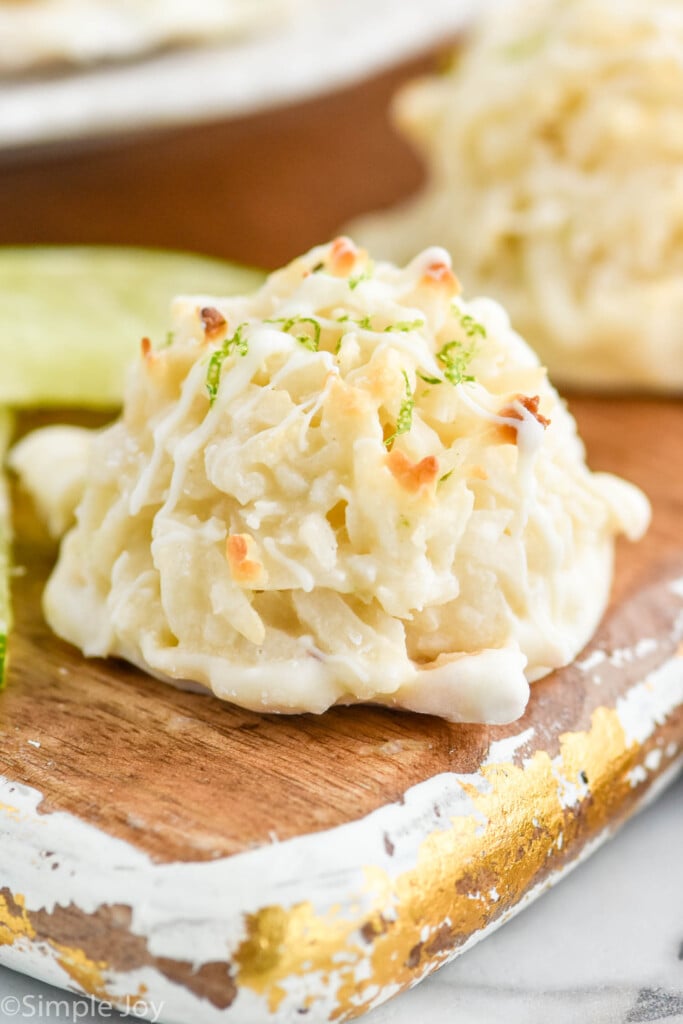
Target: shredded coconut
{"points": [[555, 156], [256, 523]]}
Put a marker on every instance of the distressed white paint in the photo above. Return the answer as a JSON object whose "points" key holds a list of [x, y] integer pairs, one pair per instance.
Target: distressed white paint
{"points": [[653, 759], [636, 776], [622, 656], [194, 911], [503, 751], [181, 1006], [570, 792], [647, 704], [595, 658]]}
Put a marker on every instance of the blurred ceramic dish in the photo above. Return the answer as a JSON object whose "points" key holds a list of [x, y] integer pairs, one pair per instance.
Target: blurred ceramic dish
{"points": [[332, 43], [35, 32]]}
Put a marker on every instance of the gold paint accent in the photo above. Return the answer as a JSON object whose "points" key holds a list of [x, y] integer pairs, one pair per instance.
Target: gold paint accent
{"points": [[14, 926], [280, 941], [398, 929], [518, 832], [85, 972]]}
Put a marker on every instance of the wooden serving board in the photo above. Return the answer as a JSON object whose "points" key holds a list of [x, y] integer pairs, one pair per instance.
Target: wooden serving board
{"points": [[161, 847]]}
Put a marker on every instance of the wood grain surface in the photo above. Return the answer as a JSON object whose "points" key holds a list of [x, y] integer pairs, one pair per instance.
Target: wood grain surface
{"points": [[183, 777], [187, 777], [259, 190]]}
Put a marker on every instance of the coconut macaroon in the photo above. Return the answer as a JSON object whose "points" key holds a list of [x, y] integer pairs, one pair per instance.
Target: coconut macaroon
{"points": [[349, 486], [554, 150]]}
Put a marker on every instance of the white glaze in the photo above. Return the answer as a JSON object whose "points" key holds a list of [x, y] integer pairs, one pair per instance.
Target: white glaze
{"points": [[401, 597]]}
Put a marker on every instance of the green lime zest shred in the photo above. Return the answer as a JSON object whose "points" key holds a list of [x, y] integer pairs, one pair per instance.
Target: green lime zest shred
{"points": [[365, 275], [405, 325], [455, 358], [429, 380], [456, 355], [404, 420], [365, 322], [471, 327], [309, 341], [213, 374]]}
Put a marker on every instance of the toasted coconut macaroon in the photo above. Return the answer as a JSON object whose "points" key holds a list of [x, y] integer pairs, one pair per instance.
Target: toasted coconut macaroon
{"points": [[554, 152], [350, 486]]}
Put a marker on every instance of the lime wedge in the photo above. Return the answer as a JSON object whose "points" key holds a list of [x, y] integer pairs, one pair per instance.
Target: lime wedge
{"points": [[71, 318], [5, 538]]}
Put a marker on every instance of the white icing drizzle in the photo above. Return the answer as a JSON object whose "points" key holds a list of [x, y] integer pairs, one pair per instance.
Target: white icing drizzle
{"points": [[299, 472]]}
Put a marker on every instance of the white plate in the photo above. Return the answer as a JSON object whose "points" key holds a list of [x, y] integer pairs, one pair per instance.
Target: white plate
{"points": [[330, 43]]}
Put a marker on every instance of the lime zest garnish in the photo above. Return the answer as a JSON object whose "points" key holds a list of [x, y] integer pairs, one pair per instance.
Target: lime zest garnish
{"points": [[365, 322], [456, 355], [405, 325], [456, 358], [357, 279], [307, 341], [311, 342], [213, 373], [404, 420], [429, 380], [471, 327]]}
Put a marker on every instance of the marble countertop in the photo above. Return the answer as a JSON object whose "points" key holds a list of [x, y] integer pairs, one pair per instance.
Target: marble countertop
{"points": [[604, 947]]}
